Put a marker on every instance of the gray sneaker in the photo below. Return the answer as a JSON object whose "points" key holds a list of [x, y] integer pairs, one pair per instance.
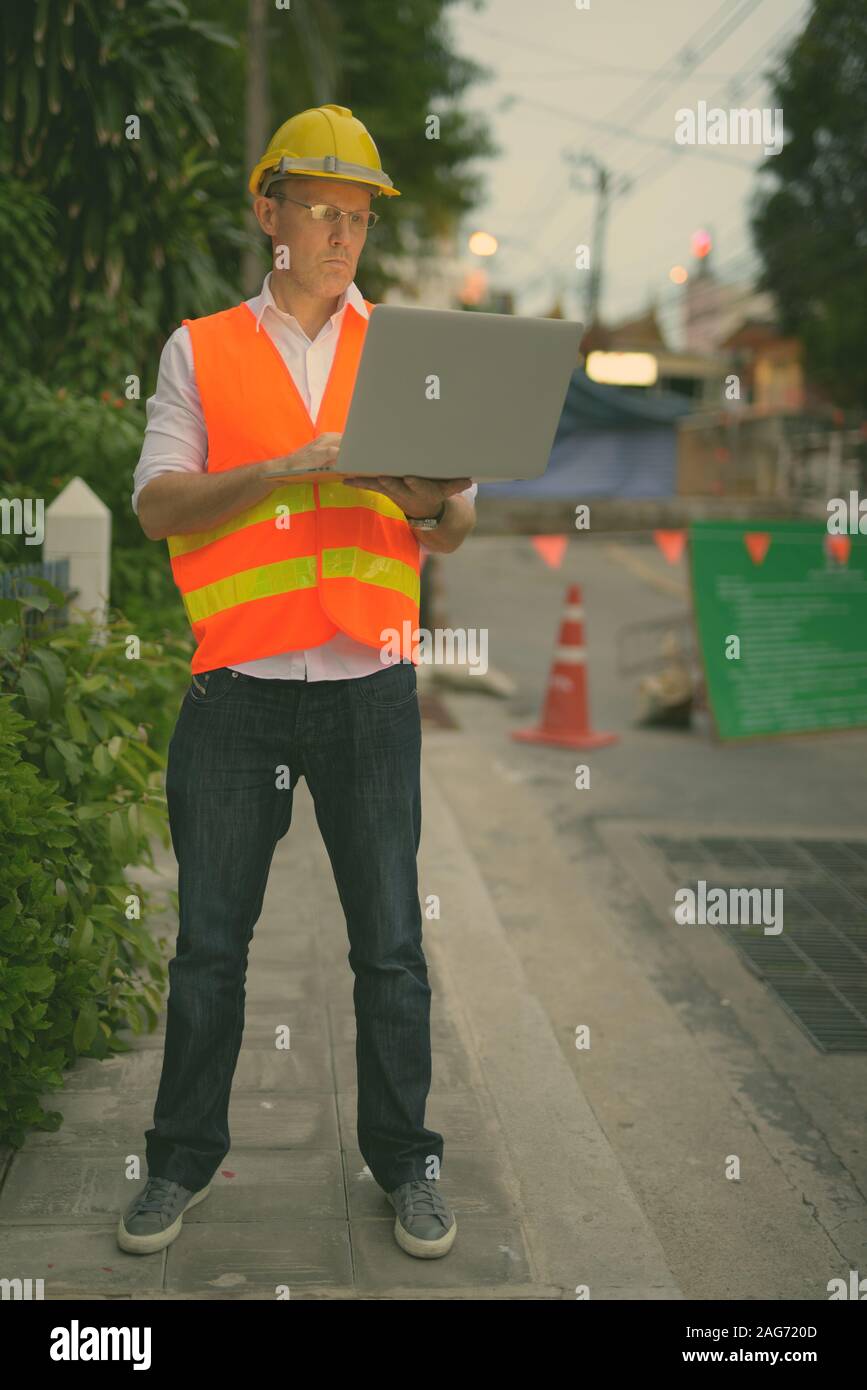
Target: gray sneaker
{"points": [[424, 1225], [154, 1218]]}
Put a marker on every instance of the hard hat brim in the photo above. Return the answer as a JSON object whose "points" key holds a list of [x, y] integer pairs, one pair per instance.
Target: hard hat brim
{"points": [[285, 163]]}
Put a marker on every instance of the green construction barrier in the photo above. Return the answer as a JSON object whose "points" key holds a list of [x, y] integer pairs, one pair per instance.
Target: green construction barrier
{"points": [[801, 616]]}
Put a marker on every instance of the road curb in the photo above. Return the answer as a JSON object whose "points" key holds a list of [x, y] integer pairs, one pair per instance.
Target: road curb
{"points": [[583, 1223]]}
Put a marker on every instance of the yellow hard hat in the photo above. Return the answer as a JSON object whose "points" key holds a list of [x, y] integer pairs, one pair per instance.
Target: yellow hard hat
{"points": [[325, 142]]}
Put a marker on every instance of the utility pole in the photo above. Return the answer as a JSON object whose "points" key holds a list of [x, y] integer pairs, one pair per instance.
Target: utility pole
{"points": [[607, 188]]}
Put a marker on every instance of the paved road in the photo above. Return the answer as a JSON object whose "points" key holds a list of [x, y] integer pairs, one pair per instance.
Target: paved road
{"points": [[692, 1060]]}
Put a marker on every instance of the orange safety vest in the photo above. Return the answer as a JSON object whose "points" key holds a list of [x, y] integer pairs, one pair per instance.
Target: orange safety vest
{"points": [[311, 558]]}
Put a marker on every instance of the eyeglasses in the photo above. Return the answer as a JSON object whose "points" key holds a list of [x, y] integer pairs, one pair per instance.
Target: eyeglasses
{"points": [[326, 212]]}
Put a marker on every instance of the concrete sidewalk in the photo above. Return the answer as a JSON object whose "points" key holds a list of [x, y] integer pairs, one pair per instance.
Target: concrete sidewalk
{"points": [[541, 1199]]}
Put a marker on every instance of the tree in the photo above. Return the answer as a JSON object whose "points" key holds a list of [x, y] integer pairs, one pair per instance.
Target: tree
{"points": [[393, 66], [811, 227], [129, 121], [103, 119]]}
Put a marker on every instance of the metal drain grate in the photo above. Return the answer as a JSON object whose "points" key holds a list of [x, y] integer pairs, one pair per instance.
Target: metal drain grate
{"points": [[817, 964]]}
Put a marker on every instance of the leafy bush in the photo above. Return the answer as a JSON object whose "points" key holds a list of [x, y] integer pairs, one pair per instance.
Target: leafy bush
{"points": [[46, 985], [143, 587], [83, 731], [104, 119], [53, 435], [49, 437]]}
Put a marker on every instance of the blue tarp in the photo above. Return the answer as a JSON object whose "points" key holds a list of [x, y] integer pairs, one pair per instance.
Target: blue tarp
{"points": [[587, 402], [611, 441]]}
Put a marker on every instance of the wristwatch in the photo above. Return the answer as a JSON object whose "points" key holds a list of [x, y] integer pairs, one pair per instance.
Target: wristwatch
{"points": [[427, 523]]}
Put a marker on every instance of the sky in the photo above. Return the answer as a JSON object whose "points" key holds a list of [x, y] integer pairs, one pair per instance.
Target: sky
{"points": [[561, 77]]}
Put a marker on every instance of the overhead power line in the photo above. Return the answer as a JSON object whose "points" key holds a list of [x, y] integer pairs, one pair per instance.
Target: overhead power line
{"points": [[520, 41], [744, 79], [745, 85], [691, 55]]}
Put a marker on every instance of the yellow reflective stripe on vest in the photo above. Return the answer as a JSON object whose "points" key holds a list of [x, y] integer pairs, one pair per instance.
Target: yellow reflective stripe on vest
{"points": [[266, 581], [297, 497], [338, 495], [263, 582], [350, 562]]}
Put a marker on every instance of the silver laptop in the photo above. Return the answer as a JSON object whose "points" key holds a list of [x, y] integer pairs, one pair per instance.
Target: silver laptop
{"points": [[448, 393]]}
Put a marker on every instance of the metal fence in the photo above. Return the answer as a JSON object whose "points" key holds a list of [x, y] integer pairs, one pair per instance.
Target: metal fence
{"points": [[803, 458], [16, 582]]}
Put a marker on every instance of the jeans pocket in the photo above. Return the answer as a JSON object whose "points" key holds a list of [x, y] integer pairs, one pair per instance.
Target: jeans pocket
{"points": [[206, 687], [388, 689]]}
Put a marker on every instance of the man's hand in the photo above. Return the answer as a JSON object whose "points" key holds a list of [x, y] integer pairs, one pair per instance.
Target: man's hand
{"points": [[415, 496], [320, 453]]}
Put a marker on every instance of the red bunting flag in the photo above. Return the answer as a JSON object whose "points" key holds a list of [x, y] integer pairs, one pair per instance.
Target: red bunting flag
{"points": [[839, 547], [671, 543], [757, 543], [551, 549]]}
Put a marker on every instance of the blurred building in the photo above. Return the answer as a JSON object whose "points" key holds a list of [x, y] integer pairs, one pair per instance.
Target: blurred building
{"points": [[695, 375], [773, 433], [769, 366], [713, 308]]}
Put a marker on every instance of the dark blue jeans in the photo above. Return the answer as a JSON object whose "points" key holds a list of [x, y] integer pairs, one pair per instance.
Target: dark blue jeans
{"points": [[357, 742]]}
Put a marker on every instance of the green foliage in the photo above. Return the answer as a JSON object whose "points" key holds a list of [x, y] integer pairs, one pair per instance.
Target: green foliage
{"points": [[96, 356], [145, 215], [143, 587], [811, 225], [44, 988], [82, 736], [51, 435], [26, 223], [149, 230], [392, 65]]}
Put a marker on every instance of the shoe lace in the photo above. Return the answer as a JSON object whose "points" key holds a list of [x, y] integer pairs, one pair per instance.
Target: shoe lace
{"points": [[155, 1194], [423, 1197]]}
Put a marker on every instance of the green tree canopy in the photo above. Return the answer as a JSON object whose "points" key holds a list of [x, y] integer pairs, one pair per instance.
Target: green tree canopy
{"points": [[393, 65], [810, 227], [128, 121], [103, 119]]}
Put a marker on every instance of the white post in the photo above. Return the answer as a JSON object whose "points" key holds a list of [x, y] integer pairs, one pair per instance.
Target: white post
{"points": [[78, 527]]}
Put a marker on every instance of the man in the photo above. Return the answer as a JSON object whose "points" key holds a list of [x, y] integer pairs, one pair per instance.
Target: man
{"points": [[291, 589]]}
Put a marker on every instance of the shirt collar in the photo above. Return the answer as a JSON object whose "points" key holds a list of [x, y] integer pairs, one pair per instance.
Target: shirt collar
{"points": [[265, 300]]}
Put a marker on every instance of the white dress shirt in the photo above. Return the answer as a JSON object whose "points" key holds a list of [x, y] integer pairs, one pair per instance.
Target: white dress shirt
{"points": [[176, 441]]}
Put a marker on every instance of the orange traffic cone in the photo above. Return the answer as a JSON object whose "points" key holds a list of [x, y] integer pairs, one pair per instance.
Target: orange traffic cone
{"points": [[566, 714]]}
